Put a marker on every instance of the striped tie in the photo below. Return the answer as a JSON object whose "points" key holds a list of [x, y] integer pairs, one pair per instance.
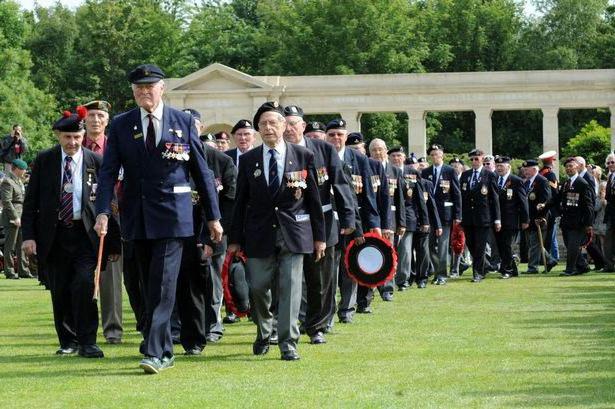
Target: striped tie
{"points": [[66, 201]]}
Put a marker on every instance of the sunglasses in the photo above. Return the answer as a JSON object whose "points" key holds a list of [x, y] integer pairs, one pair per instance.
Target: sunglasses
{"points": [[474, 159], [610, 162]]}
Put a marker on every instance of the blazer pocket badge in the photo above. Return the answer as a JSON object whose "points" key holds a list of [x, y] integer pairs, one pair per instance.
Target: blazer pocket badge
{"points": [[484, 190], [138, 135]]}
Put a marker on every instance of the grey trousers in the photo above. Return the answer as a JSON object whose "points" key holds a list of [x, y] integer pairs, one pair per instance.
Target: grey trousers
{"points": [[533, 247], [439, 250], [573, 239], [12, 244], [404, 251], [214, 295], [287, 267], [348, 287], [111, 300], [608, 246]]}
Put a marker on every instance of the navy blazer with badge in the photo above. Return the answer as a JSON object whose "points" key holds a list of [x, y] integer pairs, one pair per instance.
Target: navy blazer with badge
{"points": [[383, 201], [576, 204], [157, 201], [513, 203], [447, 193], [609, 212], [327, 163], [415, 205], [434, 216], [258, 214], [481, 204], [356, 163], [539, 192], [396, 195], [42, 202]]}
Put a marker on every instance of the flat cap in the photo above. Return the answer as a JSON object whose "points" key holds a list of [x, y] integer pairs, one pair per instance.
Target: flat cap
{"points": [[354, 138], [269, 106], [71, 122], [242, 123], [146, 74], [337, 123], [314, 127], [293, 110], [98, 105]]}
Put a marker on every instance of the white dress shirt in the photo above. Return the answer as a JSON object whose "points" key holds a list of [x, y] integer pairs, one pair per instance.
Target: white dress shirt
{"points": [[76, 169], [157, 119], [280, 157]]}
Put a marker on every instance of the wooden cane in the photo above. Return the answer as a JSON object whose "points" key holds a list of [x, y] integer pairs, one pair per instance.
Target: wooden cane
{"points": [[542, 245], [98, 266]]}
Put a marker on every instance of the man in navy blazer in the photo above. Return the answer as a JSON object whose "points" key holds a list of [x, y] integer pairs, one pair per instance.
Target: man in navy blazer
{"points": [[243, 134], [277, 220], [159, 150]]}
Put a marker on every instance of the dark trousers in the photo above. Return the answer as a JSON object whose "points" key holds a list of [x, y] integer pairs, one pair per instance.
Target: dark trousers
{"points": [[476, 240], [159, 262], [214, 293], [191, 285], [505, 239], [365, 295], [132, 283], [70, 265], [573, 238], [318, 284], [348, 286]]}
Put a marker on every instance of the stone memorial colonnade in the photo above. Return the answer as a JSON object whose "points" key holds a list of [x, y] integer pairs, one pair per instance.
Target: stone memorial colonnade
{"points": [[224, 95]]}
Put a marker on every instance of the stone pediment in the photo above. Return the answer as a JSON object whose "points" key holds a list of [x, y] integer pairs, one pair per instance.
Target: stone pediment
{"points": [[218, 78]]}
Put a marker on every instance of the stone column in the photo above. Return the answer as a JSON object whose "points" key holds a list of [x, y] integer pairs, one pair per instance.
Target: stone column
{"points": [[353, 120], [612, 109], [417, 133], [550, 130], [484, 132]]}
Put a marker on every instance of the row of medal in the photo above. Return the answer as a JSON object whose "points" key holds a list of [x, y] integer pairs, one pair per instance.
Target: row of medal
{"points": [[357, 183], [572, 199], [321, 175], [296, 179], [176, 151]]}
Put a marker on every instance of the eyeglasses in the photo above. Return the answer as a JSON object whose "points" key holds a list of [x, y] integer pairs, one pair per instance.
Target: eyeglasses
{"points": [[476, 158], [293, 123], [271, 123], [610, 162]]}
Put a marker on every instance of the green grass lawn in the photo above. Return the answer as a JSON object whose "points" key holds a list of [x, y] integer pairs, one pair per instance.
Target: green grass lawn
{"points": [[537, 341]]}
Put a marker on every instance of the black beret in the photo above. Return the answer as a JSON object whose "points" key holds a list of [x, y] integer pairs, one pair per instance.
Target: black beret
{"points": [[71, 122], [354, 138], [395, 150], [99, 105], [422, 159], [570, 159], [269, 106], [337, 123], [195, 114], [502, 159], [434, 147], [207, 137], [222, 136], [314, 127], [530, 162], [476, 152], [293, 110], [410, 160], [145, 74], [242, 123], [455, 160]]}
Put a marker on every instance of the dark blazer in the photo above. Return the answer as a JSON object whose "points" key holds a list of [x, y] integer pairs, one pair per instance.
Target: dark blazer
{"points": [[396, 193], [330, 178], [157, 199], [225, 175], [430, 202], [609, 211], [357, 164], [553, 205], [480, 205], [42, 202], [513, 203], [576, 204], [258, 214], [538, 192], [447, 193], [380, 185], [232, 153], [414, 200]]}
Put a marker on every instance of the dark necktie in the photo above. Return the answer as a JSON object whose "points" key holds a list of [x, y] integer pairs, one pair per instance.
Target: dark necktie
{"points": [[273, 173], [501, 182], [435, 180], [527, 185], [150, 139], [474, 179], [66, 199]]}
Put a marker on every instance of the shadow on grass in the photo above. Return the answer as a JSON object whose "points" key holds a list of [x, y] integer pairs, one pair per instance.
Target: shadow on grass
{"points": [[585, 378]]}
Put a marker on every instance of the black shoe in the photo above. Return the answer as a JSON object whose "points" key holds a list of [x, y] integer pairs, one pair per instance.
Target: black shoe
{"points": [[477, 278], [318, 338], [584, 269], [570, 273], [531, 272], [260, 347], [551, 265], [231, 319], [194, 351], [435, 280], [422, 283], [213, 337], [70, 349], [403, 287], [176, 341], [151, 365], [388, 297], [90, 351], [12, 276], [462, 268], [608, 270], [441, 280], [291, 355], [273, 339], [364, 310], [346, 319]]}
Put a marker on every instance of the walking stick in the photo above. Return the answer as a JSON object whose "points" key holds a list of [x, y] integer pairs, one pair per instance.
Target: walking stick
{"points": [[96, 295], [542, 245]]}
